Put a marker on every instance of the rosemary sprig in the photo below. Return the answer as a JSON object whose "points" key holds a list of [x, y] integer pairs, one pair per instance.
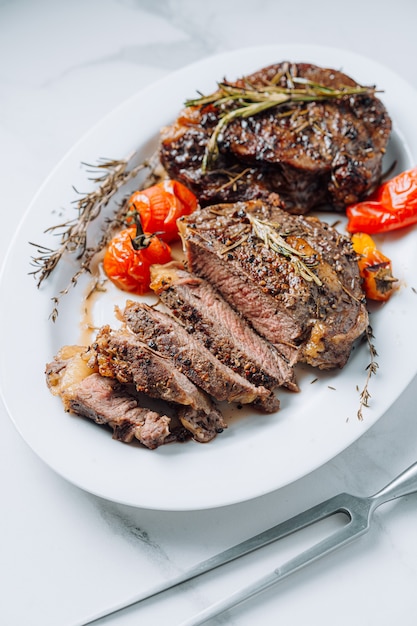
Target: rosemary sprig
{"points": [[371, 370], [267, 232], [242, 102], [111, 175]]}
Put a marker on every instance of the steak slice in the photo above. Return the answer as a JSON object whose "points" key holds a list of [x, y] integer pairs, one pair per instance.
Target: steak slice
{"points": [[121, 355], [315, 153], [106, 401], [210, 319], [164, 335], [312, 312], [73, 377]]}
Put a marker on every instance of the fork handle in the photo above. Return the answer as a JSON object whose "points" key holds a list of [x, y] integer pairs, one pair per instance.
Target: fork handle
{"points": [[403, 485]]}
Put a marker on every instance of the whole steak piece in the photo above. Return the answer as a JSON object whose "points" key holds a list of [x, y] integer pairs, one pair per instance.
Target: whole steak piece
{"points": [[294, 278], [322, 152]]}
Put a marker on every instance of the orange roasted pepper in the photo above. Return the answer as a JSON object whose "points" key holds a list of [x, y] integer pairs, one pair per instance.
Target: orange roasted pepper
{"points": [[374, 267]]}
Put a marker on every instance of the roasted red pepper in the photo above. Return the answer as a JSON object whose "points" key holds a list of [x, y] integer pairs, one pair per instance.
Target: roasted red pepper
{"points": [[374, 267], [392, 206]]}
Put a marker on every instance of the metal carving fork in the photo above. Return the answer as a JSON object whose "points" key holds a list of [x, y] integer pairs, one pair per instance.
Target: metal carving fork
{"points": [[358, 509]]}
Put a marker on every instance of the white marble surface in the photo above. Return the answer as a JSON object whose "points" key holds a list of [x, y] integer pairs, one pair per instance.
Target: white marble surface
{"points": [[64, 553]]}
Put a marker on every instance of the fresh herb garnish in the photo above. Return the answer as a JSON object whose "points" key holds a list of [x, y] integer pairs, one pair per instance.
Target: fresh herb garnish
{"points": [[371, 370], [268, 233], [243, 102], [111, 176]]}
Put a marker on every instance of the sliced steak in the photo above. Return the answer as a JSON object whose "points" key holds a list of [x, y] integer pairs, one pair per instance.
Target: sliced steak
{"points": [[164, 335], [73, 377], [121, 355], [106, 401], [226, 334], [306, 298], [315, 153]]}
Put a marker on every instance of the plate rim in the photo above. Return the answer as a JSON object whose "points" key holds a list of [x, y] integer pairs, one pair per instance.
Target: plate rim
{"points": [[172, 76]]}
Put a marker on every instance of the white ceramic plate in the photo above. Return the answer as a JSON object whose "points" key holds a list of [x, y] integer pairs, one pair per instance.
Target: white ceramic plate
{"points": [[256, 454]]}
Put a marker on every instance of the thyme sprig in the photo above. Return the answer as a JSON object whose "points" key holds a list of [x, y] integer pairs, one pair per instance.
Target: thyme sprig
{"points": [[110, 175], [243, 102], [371, 370], [267, 232]]}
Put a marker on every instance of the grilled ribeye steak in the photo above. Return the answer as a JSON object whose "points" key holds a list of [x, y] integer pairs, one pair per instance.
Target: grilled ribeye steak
{"points": [[226, 334], [165, 336], [315, 153], [306, 298], [121, 355]]}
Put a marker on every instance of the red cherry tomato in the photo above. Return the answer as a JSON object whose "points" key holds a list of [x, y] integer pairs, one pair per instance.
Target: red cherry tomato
{"points": [[128, 268], [160, 206]]}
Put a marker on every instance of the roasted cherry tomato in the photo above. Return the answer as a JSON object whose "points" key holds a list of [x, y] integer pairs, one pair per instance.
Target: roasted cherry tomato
{"points": [[374, 267], [129, 256], [392, 206], [160, 206]]}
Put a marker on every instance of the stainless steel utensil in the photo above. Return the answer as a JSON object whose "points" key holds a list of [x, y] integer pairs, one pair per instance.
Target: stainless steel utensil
{"points": [[359, 511]]}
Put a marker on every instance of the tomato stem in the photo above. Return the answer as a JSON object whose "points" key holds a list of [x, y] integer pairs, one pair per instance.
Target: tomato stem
{"points": [[141, 240]]}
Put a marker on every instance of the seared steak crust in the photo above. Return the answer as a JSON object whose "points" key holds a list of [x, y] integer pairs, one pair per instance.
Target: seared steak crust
{"points": [[311, 321], [164, 335], [212, 321], [311, 154]]}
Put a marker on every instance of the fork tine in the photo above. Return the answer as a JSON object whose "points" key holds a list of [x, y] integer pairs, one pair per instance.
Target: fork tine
{"points": [[336, 540], [298, 522]]}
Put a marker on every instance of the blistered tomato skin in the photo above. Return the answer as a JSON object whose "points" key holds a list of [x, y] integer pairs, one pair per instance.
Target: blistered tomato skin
{"points": [[129, 269], [160, 206]]}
